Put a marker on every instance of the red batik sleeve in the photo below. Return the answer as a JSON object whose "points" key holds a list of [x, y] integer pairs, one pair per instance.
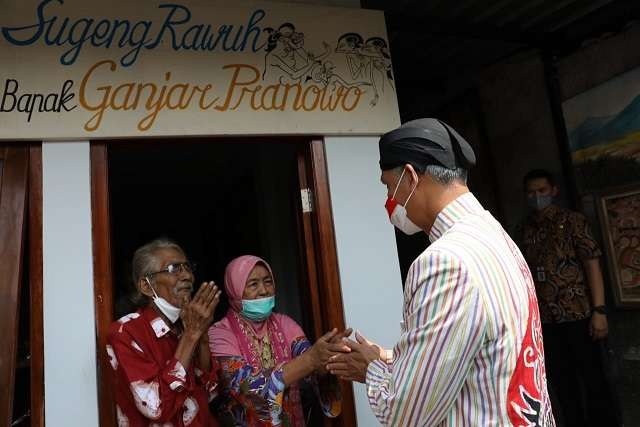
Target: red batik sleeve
{"points": [[159, 390], [209, 380]]}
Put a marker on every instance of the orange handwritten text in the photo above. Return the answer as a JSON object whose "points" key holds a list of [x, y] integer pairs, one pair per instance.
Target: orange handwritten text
{"points": [[283, 96], [132, 95], [242, 92]]}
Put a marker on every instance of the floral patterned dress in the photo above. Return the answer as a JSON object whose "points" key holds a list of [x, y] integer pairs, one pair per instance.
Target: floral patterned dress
{"points": [[253, 392]]}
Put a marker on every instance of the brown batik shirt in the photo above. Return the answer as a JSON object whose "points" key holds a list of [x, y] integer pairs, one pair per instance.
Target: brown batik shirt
{"points": [[555, 244]]}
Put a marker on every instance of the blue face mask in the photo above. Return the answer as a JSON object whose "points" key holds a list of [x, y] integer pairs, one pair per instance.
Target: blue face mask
{"points": [[258, 309]]}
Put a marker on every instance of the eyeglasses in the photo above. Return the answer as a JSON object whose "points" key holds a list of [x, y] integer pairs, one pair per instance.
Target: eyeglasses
{"points": [[176, 268]]}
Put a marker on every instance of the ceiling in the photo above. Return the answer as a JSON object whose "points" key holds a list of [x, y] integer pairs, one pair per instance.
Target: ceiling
{"points": [[435, 39]]}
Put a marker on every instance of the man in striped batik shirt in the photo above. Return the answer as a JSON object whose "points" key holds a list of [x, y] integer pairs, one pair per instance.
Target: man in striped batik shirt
{"points": [[470, 351]]}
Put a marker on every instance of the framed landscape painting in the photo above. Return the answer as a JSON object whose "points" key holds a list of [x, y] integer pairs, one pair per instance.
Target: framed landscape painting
{"points": [[603, 126], [620, 218]]}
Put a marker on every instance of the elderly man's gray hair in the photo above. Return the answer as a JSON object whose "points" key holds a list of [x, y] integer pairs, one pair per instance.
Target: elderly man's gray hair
{"points": [[145, 261], [442, 175]]}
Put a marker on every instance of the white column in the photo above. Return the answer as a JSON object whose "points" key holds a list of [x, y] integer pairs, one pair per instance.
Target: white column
{"points": [[71, 397], [367, 253]]}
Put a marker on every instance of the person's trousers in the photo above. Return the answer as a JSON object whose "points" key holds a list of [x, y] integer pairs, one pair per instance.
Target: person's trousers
{"points": [[575, 371]]}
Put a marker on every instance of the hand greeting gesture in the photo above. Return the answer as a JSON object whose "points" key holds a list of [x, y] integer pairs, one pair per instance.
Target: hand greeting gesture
{"points": [[197, 314]]}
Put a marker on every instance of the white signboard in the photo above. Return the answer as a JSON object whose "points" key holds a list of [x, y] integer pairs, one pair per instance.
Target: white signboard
{"points": [[96, 69]]}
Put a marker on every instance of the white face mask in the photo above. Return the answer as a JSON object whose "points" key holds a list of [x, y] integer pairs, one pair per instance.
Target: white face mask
{"points": [[398, 213], [171, 311]]}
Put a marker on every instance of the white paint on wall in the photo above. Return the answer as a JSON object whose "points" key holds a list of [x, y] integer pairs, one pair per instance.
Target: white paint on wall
{"points": [[367, 254], [71, 397]]}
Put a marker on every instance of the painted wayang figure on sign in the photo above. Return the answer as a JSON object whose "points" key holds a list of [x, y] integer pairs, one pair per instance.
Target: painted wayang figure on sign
{"points": [[287, 60], [326, 75], [349, 44], [379, 64], [368, 60]]}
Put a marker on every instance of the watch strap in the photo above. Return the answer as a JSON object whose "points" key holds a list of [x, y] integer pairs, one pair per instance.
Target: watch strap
{"points": [[601, 309]]}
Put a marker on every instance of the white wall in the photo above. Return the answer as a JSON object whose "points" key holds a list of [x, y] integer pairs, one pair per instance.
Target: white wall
{"points": [[69, 329], [367, 254]]}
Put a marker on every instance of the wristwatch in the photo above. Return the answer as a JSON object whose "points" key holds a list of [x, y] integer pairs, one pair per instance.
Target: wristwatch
{"points": [[601, 309]]}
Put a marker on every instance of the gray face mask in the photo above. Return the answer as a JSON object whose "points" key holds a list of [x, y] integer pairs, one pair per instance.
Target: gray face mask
{"points": [[539, 202]]}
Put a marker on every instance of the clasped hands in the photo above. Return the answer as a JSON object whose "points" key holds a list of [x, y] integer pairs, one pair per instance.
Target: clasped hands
{"points": [[348, 359]]}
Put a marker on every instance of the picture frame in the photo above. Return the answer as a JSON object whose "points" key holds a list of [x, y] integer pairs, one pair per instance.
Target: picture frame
{"points": [[603, 133], [619, 213]]}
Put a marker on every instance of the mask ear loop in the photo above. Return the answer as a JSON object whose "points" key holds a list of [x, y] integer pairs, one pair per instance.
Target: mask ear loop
{"points": [[152, 290], [398, 184], [410, 194]]}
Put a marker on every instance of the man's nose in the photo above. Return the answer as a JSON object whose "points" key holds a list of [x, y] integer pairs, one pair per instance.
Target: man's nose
{"points": [[185, 274]]}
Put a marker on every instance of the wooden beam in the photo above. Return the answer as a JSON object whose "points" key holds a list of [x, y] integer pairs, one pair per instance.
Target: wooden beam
{"points": [[329, 273], [102, 278], [35, 292], [13, 193]]}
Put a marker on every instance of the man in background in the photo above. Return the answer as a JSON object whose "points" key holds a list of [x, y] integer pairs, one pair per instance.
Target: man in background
{"points": [[564, 259]]}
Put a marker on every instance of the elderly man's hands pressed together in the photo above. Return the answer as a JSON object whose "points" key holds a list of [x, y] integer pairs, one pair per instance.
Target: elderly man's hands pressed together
{"points": [[352, 365]]}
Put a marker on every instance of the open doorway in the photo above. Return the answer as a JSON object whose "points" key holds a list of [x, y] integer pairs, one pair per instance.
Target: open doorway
{"points": [[218, 199]]}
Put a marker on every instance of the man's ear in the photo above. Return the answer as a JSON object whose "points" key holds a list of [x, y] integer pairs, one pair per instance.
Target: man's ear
{"points": [[144, 285], [409, 170], [554, 191]]}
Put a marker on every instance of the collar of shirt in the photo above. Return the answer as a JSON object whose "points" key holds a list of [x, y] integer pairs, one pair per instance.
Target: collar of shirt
{"points": [[454, 211], [547, 214], [159, 326]]}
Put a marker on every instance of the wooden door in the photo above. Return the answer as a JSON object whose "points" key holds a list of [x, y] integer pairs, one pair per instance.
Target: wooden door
{"points": [[36, 330], [13, 193], [319, 247], [102, 278]]}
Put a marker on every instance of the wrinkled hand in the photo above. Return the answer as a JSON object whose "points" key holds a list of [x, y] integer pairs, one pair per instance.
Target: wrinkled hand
{"points": [[382, 353], [336, 346], [197, 314], [326, 347], [339, 339], [353, 366], [598, 328]]}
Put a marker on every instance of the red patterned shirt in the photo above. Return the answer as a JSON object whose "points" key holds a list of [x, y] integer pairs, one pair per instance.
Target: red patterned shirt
{"points": [[152, 387]]}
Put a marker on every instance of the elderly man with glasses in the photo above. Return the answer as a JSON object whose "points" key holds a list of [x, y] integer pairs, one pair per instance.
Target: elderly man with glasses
{"points": [[160, 353]]}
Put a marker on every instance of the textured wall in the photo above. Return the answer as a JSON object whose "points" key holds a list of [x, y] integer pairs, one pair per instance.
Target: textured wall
{"points": [[519, 126], [591, 66]]}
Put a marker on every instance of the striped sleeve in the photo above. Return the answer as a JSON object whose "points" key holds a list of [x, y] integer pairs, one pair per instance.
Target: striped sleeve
{"points": [[445, 326]]}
